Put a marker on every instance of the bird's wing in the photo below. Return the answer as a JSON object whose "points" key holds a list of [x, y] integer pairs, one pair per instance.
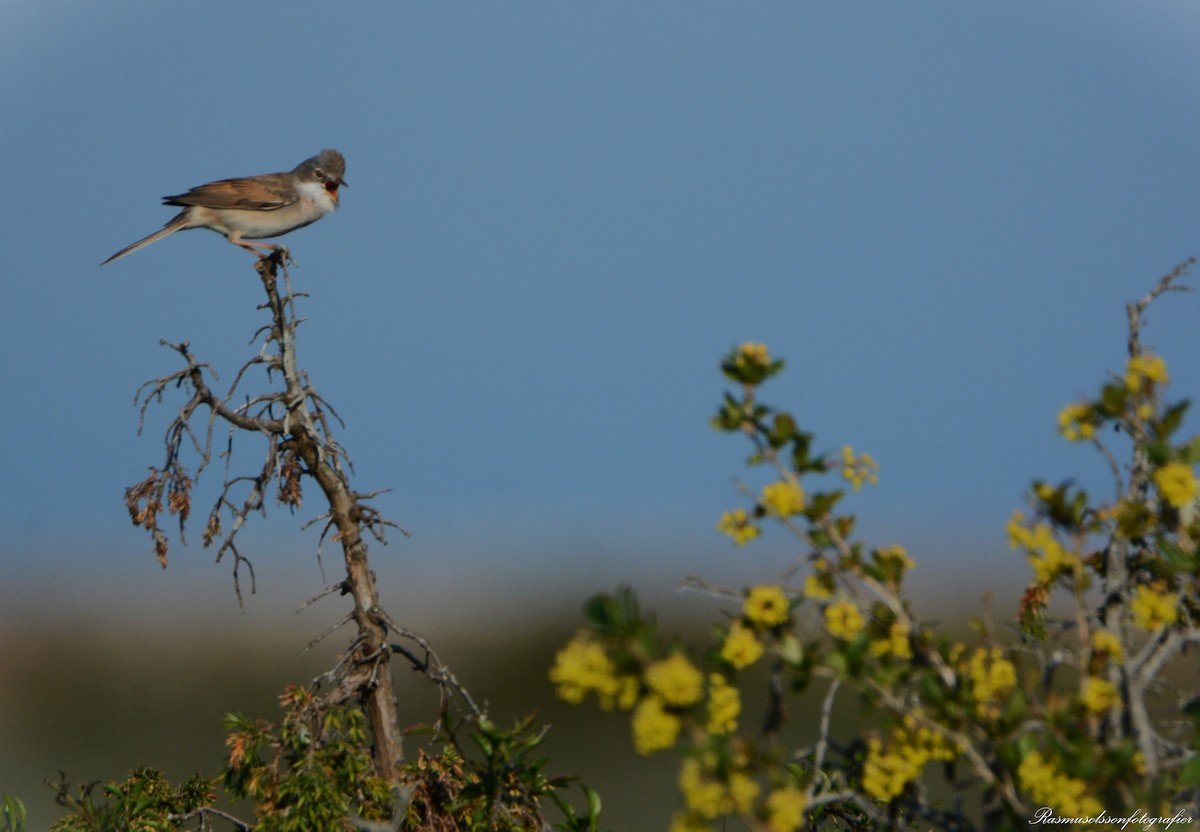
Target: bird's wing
{"points": [[255, 193]]}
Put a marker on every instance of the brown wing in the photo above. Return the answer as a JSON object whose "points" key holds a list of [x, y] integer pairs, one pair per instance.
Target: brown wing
{"points": [[255, 193]]}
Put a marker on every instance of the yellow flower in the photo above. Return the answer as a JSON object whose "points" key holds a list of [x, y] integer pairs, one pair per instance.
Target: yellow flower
{"points": [[1017, 533], [843, 620], [858, 469], [676, 681], [895, 644], [742, 791], [1099, 695], [724, 705], [702, 795], [708, 798], [1048, 558], [783, 498], [1047, 786], [896, 557], [741, 647], [1105, 642], [815, 587], [992, 677], [1153, 610], [1176, 483], [623, 695], [738, 525], [785, 809], [1143, 369], [752, 353], [766, 606], [886, 773], [653, 728], [582, 667], [1077, 421], [888, 770]]}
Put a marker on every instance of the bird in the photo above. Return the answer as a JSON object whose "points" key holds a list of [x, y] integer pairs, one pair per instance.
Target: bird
{"points": [[256, 207]]}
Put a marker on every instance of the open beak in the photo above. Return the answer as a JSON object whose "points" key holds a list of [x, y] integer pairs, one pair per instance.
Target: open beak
{"points": [[333, 186]]}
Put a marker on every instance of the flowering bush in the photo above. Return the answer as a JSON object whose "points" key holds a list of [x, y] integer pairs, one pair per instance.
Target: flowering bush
{"points": [[1074, 719]]}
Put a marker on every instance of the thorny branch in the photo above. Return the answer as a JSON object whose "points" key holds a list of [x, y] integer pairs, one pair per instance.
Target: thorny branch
{"points": [[294, 423]]}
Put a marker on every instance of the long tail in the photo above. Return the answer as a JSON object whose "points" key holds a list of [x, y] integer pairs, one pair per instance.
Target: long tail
{"points": [[178, 223]]}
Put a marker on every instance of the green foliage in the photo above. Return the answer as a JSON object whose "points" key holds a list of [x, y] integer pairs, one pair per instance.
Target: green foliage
{"points": [[143, 802], [310, 771], [501, 786], [12, 814]]}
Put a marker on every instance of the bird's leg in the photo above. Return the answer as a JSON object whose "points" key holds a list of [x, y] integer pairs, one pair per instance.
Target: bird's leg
{"points": [[257, 249]]}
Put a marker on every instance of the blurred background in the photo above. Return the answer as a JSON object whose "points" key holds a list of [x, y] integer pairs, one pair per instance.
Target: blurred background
{"points": [[560, 216]]}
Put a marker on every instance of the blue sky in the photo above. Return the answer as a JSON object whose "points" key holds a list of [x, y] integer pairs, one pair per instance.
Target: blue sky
{"points": [[560, 216]]}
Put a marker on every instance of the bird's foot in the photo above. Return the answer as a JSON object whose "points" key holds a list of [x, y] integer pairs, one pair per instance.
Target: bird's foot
{"points": [[279, 255]]}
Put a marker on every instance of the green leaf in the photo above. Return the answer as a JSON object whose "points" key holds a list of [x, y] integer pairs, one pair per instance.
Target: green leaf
{"points": [[1112, 399], [1016, 708], [1026, 745], [484, 743], [1190, 453], [1178, 558], [783, 428], [1159, 453], [593, 806], [1171, 419], [12, 813], [931, 690], [1190, 773]]}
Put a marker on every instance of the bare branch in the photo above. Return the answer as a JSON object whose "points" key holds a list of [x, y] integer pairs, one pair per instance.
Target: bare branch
{"points": [[204, 812], [294, 423]]}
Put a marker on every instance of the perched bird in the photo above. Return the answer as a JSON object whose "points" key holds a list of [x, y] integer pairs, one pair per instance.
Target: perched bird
{"points": [[256, 207]]}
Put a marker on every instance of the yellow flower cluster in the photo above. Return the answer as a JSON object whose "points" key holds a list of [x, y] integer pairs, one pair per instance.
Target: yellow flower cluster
{"points": [[783, 498], [724, 705], [992, 678], [1105, 642], [1176, 483], [707, 797], [843, 620], [895, 556], [654, 728], [582, 667], [1153, 610], [817, 588], [766, 607], [1047, 557], [741, 647], [676, 680], [1077, 421], [858, 469], [785, 809], [1047, 786], [1099, 695], [751, 353], [819, 585], [912, 745], [738, 525], [1145, 369], [895, 644]]}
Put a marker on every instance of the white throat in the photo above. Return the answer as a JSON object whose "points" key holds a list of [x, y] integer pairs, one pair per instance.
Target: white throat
{"points": [[315, 193]]}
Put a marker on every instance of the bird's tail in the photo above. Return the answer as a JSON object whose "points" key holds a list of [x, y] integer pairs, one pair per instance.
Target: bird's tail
{"points": [[178, 223]]}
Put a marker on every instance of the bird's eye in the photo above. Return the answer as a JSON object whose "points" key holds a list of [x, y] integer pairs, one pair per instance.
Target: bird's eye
{"points": [[320, 174]]}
